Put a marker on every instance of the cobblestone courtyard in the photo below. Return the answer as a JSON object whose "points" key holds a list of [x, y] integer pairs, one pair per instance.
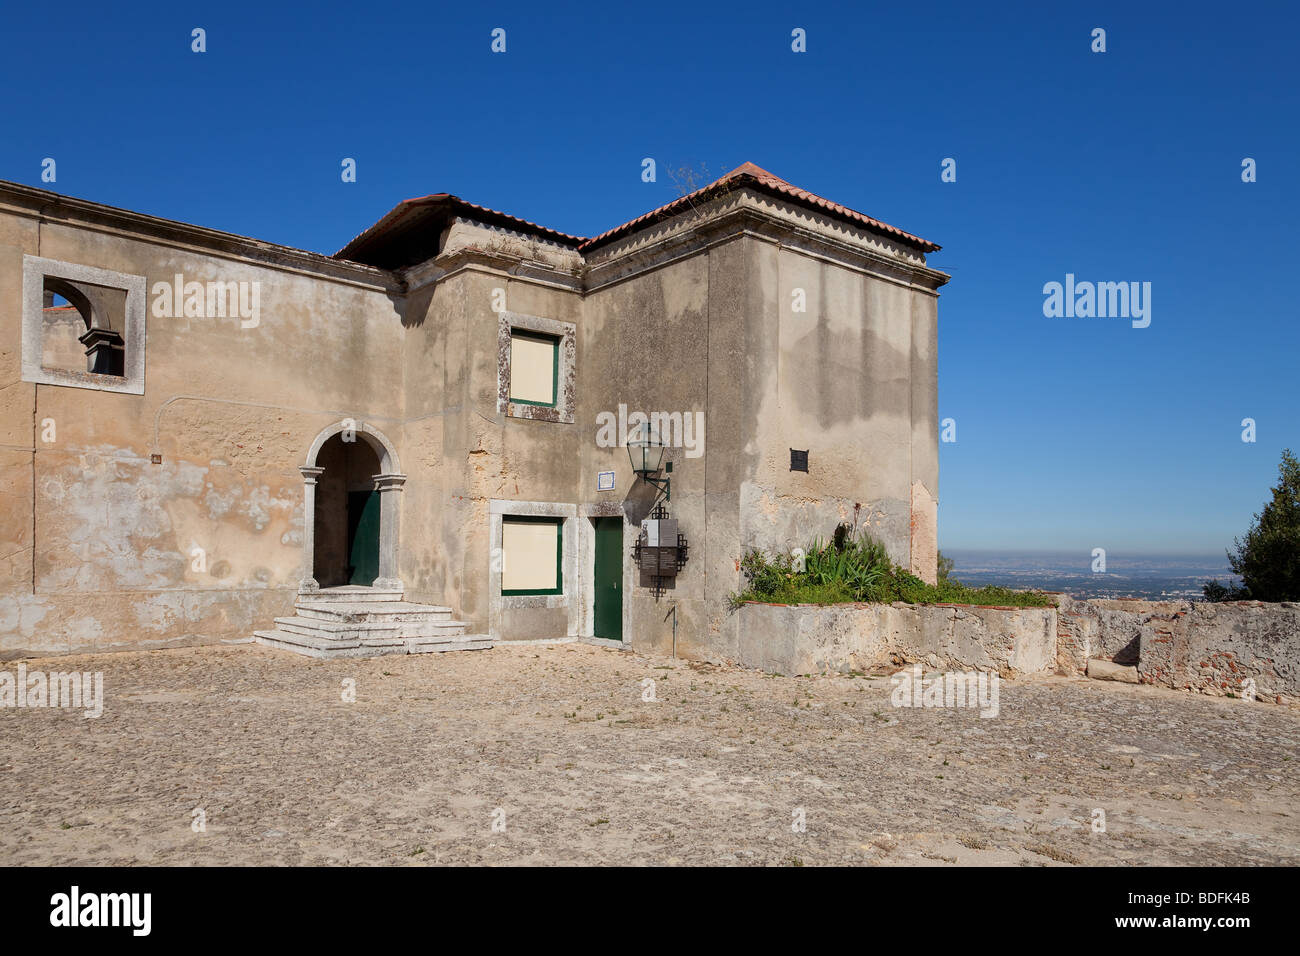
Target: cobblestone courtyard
{"points": [[583, 771]]}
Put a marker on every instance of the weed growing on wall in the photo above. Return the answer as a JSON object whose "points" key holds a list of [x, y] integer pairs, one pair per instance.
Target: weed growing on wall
{"points": [[855, 567]]}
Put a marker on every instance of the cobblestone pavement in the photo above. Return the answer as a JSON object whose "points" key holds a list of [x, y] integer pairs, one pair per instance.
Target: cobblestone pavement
{"points": [[556, 743]]}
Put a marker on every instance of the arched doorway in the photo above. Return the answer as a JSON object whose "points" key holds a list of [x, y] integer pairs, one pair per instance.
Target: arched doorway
{"points": [[347, 514], [351, 509]]}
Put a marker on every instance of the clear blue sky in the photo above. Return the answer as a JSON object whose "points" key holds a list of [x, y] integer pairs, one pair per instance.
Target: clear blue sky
{"points": [[1122, 166]]}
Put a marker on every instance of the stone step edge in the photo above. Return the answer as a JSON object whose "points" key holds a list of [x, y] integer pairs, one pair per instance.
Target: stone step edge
{"points": [[374, 607], [327, 648], [369, 595], [376, 640], [317, 624]]}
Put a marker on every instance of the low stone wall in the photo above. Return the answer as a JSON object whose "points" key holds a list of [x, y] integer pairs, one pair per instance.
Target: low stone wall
{"points": [[1189, 645], [808, 639]]}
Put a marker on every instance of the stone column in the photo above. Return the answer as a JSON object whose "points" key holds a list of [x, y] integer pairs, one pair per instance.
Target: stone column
{"points": [[309, 476], [390, 509]]}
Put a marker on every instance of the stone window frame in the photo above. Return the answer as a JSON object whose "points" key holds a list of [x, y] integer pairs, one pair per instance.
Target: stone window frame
{"points": [[565, 380], [558, 521], [499, 508], [516, 334], [35, 271]]}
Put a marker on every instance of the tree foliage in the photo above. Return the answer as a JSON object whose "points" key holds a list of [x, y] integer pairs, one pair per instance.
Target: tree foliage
{"points": [[1268, 558]]}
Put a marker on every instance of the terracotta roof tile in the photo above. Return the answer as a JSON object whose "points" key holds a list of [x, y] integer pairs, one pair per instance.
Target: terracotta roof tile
{"points": [[401, 237], [761, 177]]}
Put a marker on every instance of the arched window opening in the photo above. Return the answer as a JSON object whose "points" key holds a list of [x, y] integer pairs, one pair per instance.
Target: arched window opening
{"points": [[78, 327]]}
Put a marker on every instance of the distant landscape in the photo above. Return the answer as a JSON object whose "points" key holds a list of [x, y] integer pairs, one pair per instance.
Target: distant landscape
{"points": [[1151, 576]]}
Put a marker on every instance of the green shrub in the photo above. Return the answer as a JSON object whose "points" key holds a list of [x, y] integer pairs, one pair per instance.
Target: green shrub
{"points": [[856, 567]]}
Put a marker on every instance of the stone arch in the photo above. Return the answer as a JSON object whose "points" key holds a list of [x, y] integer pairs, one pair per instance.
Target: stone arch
{"points": [[77, 299], [388, 482], [387, 452], [104, 348]]}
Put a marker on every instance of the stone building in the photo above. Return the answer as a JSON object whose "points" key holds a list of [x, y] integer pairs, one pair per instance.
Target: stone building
{"points": [[200, 429]]}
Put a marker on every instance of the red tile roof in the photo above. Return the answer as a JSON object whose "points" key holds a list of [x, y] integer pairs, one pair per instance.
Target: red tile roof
{"points": [[410, 231], [748, 173], [495, 214]]}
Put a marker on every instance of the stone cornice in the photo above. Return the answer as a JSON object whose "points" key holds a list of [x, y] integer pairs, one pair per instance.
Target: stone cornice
{"points": [[741, 212], [733, 216], [469, 259], [43, 205]]}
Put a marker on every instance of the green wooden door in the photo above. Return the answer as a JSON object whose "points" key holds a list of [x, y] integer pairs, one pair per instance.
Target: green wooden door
{"points": [[363, 537], [608, 621]]}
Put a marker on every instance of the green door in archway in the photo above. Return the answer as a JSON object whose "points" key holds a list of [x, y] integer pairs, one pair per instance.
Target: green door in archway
{"points": [[363, 537]]}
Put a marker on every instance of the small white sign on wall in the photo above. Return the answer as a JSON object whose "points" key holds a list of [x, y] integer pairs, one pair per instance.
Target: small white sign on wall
{"points": [[604, 481]]}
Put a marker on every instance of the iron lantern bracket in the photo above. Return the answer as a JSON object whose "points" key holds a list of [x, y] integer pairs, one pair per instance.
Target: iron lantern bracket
{"points": [[665, 485]]}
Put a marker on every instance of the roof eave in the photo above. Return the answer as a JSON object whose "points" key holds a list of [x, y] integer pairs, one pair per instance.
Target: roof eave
{"points": [[739, 180], [453, 205]]}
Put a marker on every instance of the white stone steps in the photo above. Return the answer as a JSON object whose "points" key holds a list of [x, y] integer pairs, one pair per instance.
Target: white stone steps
{"points": [[362, 630], [311, 646], [351, 593], [324, 648], [371, 611], [364, 622], [308, 640]]}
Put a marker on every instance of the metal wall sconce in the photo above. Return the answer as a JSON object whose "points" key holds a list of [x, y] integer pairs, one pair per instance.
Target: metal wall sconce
{"points": [[660, 550], [646, 453]]}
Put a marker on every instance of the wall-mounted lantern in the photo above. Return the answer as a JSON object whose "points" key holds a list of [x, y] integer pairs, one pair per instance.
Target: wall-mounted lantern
{"points": [[646, 453], [660, 550]]}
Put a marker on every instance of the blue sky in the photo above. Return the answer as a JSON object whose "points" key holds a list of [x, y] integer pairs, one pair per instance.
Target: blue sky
{"points": [[1122, 166]]}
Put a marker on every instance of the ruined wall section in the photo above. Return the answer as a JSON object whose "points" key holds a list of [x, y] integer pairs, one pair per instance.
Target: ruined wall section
{"points": [[1188, 645]]}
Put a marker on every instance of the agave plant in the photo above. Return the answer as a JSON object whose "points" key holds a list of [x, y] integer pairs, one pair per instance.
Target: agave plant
{"points": [[856, 562]]}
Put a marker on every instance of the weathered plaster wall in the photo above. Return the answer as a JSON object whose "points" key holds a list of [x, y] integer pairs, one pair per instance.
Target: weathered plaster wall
{"points": [[460, 452], [438, 520], [63, 348], [838, 384], [925, 436], [647, 342], [851, 378], [100, 542], [511, 458], [807, 639]]}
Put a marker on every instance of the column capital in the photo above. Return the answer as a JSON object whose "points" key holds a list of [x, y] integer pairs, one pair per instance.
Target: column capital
{"points": [[310, 473], [389, 482]]}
